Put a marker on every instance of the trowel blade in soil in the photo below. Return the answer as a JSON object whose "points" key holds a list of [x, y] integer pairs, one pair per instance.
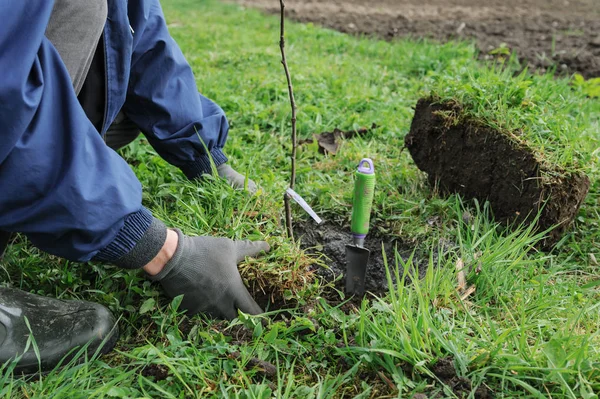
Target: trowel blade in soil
{"points": [[357, 259]]}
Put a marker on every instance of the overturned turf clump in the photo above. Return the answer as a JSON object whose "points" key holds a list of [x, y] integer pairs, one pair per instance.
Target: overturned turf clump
{"points": [[463, 155]]}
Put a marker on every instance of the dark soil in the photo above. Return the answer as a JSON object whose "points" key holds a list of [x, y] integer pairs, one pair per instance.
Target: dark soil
{"points": [[261, 366], [476, 161], [158, 371], [329, 242], [444, 370], [543, 33], [241, 335]]}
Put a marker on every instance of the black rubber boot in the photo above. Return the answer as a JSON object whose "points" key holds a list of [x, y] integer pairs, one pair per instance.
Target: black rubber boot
{"points": [[59, 329]]}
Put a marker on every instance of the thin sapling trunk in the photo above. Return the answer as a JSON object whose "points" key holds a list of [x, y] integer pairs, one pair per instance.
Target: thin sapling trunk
{"points": [[286, 197]]}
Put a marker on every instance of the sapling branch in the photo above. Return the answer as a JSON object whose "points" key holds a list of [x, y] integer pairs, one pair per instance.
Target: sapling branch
{"points": [[286, 197]]}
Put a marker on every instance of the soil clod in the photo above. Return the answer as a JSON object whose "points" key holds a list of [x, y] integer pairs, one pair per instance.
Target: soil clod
{"points": [[158, 371], [262, 366], [444, 369], [477, 161]]}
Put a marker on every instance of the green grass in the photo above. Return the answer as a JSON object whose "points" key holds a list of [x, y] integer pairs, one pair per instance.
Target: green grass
{"points": [[539, 111], [528, 330]]}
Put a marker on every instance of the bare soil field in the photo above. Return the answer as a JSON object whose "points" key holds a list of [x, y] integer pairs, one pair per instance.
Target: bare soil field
{"points": [[543, 33]]}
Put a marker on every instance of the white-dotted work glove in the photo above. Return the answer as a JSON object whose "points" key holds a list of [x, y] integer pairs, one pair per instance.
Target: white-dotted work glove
{"points": [[204, 270]]}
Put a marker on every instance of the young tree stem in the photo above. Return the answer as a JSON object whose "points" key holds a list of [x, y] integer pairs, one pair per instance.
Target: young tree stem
{"points": [[286, 199]]}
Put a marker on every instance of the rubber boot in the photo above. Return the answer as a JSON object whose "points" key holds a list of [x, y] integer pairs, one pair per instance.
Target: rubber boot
{"points": [[60, 328]]}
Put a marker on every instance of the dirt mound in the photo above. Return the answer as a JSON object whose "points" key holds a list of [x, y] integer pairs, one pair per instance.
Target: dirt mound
{"points": [[467, 157], [543, 33], [329, 242]]}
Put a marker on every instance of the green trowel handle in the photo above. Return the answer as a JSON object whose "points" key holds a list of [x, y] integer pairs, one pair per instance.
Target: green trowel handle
{"points": [[364, 187]]}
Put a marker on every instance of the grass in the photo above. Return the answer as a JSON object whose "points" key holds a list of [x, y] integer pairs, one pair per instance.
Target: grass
{"points": [[530, 328], [544, 113]]}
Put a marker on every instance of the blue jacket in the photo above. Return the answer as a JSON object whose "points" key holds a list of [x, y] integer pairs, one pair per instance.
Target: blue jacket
{"points": [[59, 183]]}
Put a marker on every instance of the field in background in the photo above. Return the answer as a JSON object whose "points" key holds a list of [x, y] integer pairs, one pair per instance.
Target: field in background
{"points": [[546, 34]]}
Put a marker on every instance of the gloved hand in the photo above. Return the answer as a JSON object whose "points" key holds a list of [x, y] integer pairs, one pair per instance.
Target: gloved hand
{"points": [[235, 178], [204, 270]]}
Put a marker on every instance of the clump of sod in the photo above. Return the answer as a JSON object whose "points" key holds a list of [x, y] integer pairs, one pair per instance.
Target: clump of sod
{"points": [[522, 143]]}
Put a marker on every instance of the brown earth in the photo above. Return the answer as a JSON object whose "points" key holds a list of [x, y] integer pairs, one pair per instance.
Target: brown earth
{"points": [[543, 33], [330, 241], [462, 155]]}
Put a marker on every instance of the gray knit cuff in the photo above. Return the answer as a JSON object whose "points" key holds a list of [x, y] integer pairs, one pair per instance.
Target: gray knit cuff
{"points": [[134, 227], [146, 249], [172, 262]]}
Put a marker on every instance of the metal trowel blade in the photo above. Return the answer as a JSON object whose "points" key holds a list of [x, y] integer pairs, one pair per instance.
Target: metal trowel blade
{"points": [[357, 259]]}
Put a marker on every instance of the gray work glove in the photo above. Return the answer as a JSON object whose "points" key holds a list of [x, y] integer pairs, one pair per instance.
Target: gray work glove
{"points": [[204, 270], [234, 178]]}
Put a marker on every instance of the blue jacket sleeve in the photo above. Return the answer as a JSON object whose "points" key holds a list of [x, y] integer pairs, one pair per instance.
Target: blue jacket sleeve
{"points": [[60, 184], [183, 126]]}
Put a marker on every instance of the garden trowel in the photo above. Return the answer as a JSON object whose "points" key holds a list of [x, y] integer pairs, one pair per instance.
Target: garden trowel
{"points": [[357, 256]]}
